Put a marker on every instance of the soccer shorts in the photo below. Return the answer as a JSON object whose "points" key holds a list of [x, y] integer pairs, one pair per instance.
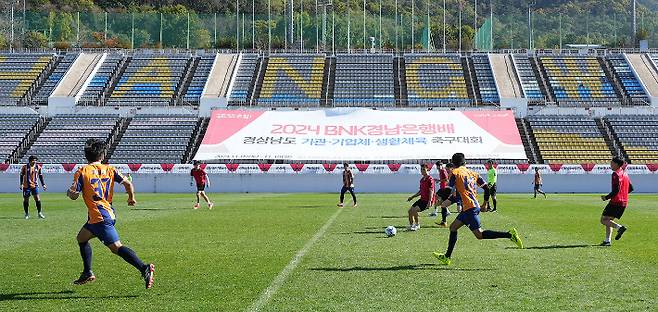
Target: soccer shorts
{"points": [[537, 187], [444, 193], [200, 187], [491, 191], [27, 192], [105, 231], [422, 204], [613, 210], [470, 217]]}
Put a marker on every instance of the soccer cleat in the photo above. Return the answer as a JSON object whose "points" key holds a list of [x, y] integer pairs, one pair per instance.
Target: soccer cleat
{"points": [[412, 228], [340, 205], [210, 205], [442, 224], [27, 216], [444, 260], [85, 278], [605, 244], [516, 238], [355, 205], [196, 206], [41, 216], [620, 232], [148, 275]]}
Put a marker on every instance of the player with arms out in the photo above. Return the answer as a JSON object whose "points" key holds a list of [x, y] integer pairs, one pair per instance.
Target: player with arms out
{"points": [[618, 200], [348, 185], [201, 178], [426, 193], [464, 183], [96, 183], [538, 182], [30, 186]]}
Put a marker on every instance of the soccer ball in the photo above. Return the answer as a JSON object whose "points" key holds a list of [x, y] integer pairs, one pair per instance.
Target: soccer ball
{"points": [[390, 231]]}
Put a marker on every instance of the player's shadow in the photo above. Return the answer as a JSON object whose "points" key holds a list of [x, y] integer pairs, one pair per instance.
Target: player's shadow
{"points": [[410, 267], [308, 206], [156, 209], [556, 246], [387, 217], [55, 295], [10, 218]]}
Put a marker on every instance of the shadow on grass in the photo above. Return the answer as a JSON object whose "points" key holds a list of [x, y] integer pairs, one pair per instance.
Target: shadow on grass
{"points": [[11, 218], [309, 206], [55, 295], [387, 217], [410, 267], [557, 246], [155, 209]]}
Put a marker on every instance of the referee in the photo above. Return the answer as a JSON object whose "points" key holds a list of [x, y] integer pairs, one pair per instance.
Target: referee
{"points": [[492, 178]]}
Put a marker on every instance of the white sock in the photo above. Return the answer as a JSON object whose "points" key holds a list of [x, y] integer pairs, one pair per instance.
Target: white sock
{"points": [[617, 226]]}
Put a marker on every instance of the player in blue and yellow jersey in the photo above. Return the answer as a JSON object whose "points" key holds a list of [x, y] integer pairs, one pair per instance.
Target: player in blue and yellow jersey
{"points": [[96, 183], [30, 186], [464, 183]]}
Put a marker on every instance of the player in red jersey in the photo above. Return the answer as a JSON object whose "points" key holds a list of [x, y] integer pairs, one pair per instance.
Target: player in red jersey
{"points": [[443, 183], [426, 193], [201, 178], [621, 187]]}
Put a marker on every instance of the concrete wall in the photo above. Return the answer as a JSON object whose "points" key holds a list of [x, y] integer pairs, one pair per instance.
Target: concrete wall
{"points": [[371, 183]]}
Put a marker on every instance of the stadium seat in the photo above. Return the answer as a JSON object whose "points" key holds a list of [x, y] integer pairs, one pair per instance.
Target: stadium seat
{"points": [[195, 89], [99, 85], [18, 73], [637, 135], [364, 80], [14, 129], [436, 80], [243, 79], [293, 80]]}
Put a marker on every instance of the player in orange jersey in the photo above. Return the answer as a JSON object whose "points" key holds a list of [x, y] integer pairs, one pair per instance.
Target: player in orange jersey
{"points": [[96, 183]]}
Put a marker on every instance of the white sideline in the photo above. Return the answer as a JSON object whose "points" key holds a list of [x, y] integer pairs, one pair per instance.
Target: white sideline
{"points": [[285, 273]]}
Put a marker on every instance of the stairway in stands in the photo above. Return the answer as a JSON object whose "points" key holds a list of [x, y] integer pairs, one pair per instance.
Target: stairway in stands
{"points": [[328, 81], [186, 79], [195, 140], [29, 140], [610, 139], [540, 74], [121, 69], [38, 83], [612, 77], [257, 83], [116, 136], [469, 77], [530, 146]]}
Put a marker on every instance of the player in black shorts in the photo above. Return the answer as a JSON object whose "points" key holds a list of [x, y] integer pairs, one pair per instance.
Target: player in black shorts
{"points": [[621, 187], [426, 193]]}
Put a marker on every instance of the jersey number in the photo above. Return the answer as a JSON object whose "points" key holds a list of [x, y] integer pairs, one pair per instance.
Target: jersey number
{"points": [[102, 187]]}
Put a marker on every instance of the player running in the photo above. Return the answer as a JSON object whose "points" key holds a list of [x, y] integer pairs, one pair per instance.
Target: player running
{"points": [[201, 178], [96, 182], [621, 187], [443, 182], [30, 186], [490, 191], [464, 184], [348, 185], [426, 193], [538, 182]]}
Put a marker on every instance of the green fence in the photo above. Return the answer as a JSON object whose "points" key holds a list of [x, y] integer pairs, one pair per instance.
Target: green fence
{"points": [[244, 30]]}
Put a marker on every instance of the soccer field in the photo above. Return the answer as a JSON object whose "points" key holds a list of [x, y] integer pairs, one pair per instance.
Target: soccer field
{"points": [[298, 252]]}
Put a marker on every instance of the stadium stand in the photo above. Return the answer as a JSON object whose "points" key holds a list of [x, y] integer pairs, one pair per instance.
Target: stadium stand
{"points": [[63, 139], [155, 139], [14, 129], [41, 98], [629, 81], [435, 80], [18, 74], [99, 86], [529, 82], [637, 136], [199, 79], [364, 80], [485, 79], [242, 83], [569, 139], [292, 80], [578, 81], [150, 80]]}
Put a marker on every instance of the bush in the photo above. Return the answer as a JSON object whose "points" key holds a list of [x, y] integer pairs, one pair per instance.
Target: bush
{"points": [[35, 40]]}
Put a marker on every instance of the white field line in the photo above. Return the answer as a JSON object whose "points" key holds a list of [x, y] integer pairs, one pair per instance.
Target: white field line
{"points": [[285, 273]]}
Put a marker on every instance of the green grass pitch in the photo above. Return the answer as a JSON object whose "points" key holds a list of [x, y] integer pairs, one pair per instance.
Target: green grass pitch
{"points": [[298, 252]]}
